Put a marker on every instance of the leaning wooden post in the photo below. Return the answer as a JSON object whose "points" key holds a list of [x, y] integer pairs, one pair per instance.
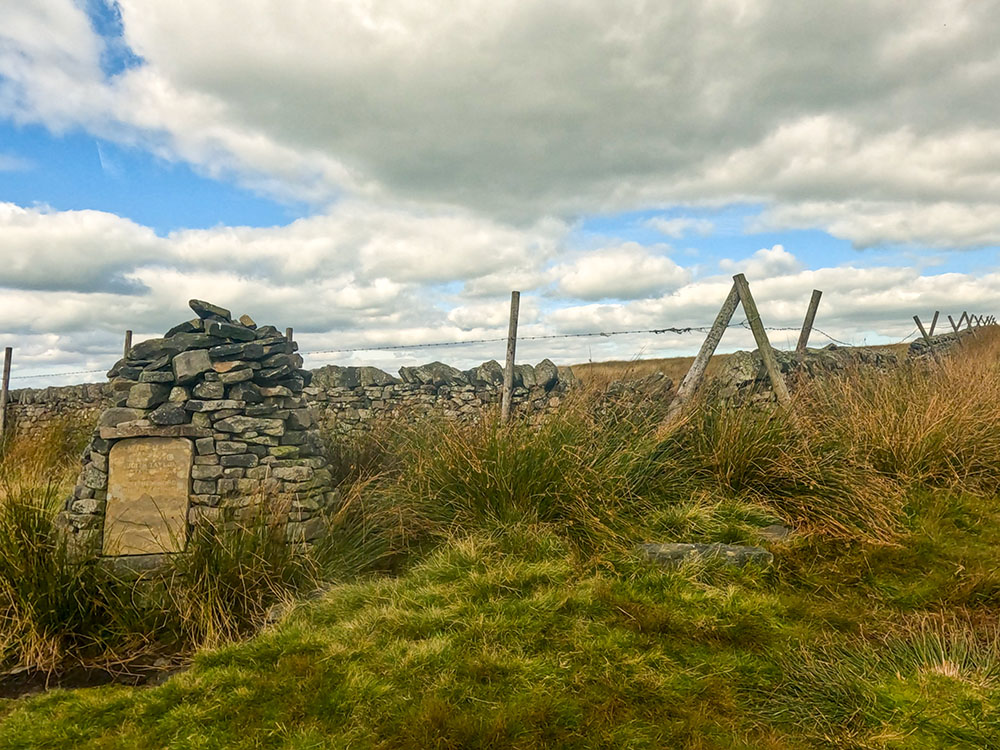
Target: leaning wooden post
{"points": [[288, 341], [760, 336], [968, 324], [927, 339], [508, 370], [691, 382], [4, 389], [934, 320], [807, 325], [128, 343]]}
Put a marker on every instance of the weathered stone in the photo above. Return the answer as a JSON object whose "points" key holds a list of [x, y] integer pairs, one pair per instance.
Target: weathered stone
{"points": [[136, 429], [214, 405], [179, 394], [93, 477], [209, 391], [204, 486], [222, 329], [245, 460], [205, 446], [206, 471], [488, 373], [292, 473], [230, 447], [247, 392], [299, 419], [247, 424], [229, 365], [207, 310], [236, 376], [433, 373], [147, 496], [115, 416], [275, 391], [156, 376], [525, 375], [189, 365], [546, 374], [169, 414], [245, 350], [147, 395], [728, 554], [247, 321], [188, 326], [272, 375]]}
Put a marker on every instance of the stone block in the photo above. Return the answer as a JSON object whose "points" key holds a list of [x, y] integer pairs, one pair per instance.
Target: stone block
{"points": [[209, 391], [189, 365], [169, 414], [244, 460], [205, 446], [147, 395], [199, 471], [207, 310], [223, 329]]}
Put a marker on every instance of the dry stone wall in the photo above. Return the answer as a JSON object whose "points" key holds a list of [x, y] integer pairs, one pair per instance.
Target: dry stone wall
{"points": [[344, 400]]}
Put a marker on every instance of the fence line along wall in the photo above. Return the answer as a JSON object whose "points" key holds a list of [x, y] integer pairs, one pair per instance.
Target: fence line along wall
{"points": [[343, 399]]}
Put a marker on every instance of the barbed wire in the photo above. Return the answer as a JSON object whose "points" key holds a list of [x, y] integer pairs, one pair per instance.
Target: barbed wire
{"points": [[500, 339]]}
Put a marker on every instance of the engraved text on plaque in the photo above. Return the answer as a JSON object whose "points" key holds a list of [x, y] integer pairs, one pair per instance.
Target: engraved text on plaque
{"points": [[148, 484]]}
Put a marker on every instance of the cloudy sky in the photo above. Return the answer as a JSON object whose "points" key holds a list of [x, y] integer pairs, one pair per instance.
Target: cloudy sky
{"points": [[377, 172]]}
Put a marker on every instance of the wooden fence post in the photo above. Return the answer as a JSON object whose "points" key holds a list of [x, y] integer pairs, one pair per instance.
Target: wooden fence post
{"points": [[507, 396], [760, 336], [288, 341], [692, 380], [927, 339], [4, 389], [954, 326], [807, 324], [128, 343], [933, 322]]}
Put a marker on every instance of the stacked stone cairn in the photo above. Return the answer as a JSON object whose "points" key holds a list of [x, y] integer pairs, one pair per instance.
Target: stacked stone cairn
{"points": [[235, 390]]}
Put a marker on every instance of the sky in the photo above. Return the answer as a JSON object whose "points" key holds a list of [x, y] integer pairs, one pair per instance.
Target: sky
{"points": [[382, 172]]}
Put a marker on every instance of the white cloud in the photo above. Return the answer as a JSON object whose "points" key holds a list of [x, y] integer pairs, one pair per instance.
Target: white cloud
{"points": [[766, 262], [523, 108], [679, 227], [628, 271]]}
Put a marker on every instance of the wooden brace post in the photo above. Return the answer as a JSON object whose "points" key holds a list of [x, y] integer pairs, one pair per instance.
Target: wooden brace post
{"points": [[507, 397], [933, 323], [760, 336], [4, 389], [927, 339], [807, 324], [692, 380]]}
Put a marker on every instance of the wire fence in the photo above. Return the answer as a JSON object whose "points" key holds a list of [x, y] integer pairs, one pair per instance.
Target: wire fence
{"points": [[496, 340]]}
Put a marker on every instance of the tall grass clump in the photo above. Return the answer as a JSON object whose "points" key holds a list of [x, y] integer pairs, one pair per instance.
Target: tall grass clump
{"points": [[922, 424]]}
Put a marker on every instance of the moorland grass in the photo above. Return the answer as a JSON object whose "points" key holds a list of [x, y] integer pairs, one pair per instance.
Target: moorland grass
{"points": [[513, 612]]}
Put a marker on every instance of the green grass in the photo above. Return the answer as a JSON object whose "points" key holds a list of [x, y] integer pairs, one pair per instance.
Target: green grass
{"points": [[502, 640]]}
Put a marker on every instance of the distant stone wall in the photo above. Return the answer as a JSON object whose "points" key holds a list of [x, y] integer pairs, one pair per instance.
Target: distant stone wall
{"points": [[32, 411], [746, 377], [344, 400]]}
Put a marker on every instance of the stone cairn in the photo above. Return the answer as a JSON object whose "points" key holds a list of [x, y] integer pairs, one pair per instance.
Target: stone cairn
{"points": [[232, 393]]}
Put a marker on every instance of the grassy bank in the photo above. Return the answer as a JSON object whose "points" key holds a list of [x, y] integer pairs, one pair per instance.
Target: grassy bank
{"points": [[486, 592]]}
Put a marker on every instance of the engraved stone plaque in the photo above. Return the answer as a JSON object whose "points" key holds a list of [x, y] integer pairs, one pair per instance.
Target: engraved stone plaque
{"points": [[148, 485]]}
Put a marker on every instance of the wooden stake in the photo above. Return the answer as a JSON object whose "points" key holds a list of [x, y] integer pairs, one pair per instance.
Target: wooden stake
{"points": [[760, 336], [288, 341], [954, 325], [128, 343], [930, 345], [4, 389], [933, 322], [807, 324], [507, 397], [691, 382]]}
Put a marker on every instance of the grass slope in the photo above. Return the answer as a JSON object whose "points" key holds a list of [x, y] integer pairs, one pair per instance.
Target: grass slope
{"points": [[508, 641]]}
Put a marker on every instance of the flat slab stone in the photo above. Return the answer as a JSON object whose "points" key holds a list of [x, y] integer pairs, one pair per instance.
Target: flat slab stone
{"points": [[730, 554], [148, 493], [177, 430]]}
